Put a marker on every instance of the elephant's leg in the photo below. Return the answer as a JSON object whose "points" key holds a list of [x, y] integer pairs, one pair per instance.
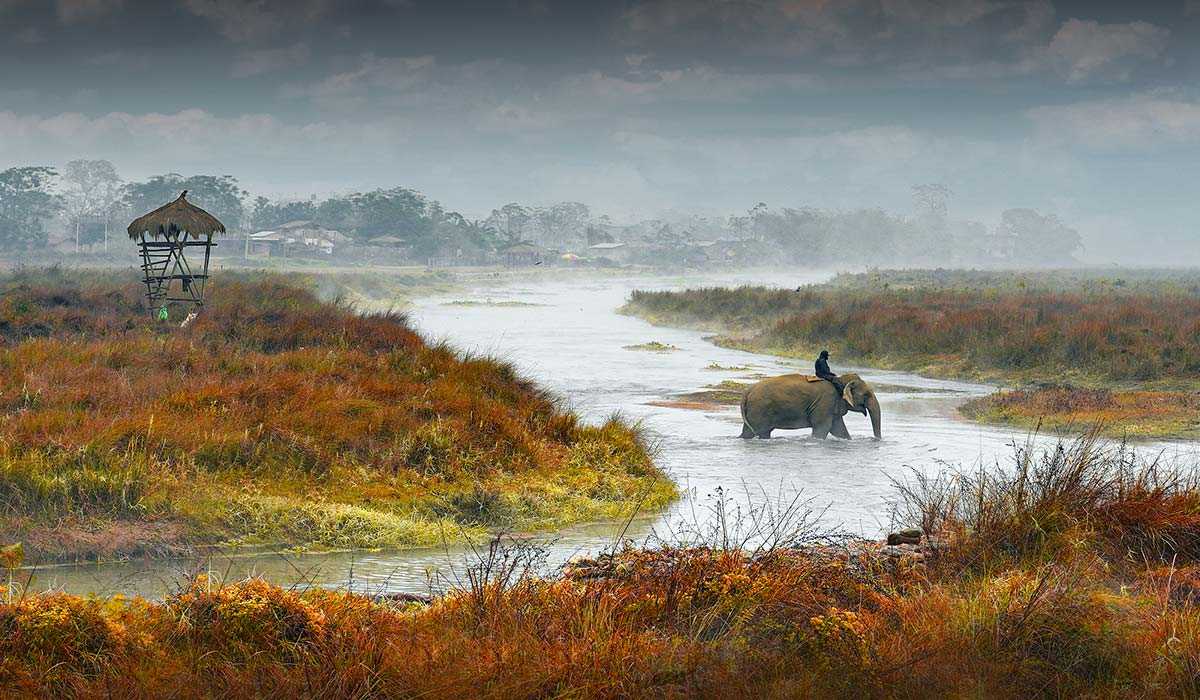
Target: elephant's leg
{"points": [[747, 431], [839, 428], [765, 434], [821, 428]]}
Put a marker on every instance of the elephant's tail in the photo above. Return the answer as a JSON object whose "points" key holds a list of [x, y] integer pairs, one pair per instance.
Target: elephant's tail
{"points": [[747, 431]]}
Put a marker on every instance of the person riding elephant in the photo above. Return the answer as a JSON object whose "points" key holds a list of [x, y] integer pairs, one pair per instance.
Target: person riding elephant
{"points": [[823, 371], [794, 401]]}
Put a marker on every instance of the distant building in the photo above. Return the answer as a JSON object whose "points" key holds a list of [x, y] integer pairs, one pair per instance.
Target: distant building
{"points": [[614, 250], [298, 238], [263, 244], [522, 254]]}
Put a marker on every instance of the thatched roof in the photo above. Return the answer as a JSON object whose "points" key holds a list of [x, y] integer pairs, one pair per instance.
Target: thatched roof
{"points": [[178, 216]]}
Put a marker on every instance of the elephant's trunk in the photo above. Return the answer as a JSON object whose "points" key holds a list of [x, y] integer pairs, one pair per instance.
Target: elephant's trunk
{"points": [[873, 411]]}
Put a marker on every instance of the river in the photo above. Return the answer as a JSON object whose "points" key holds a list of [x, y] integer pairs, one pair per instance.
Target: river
{"points": [[566, 335]]}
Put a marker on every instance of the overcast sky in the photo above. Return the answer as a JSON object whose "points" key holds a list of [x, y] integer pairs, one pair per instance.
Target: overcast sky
{"points": [[1087, 109]]}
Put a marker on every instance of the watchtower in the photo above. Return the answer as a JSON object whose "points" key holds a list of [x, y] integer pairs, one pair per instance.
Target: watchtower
{"points": [[170, 238]]}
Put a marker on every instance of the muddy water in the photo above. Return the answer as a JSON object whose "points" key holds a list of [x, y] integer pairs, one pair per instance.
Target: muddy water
{"points": [[567, 336]]}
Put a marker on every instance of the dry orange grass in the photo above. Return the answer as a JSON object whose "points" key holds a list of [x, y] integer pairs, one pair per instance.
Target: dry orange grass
{"points": [[1073, 573], [1138, 335], [272, 394], [1121, 413]]}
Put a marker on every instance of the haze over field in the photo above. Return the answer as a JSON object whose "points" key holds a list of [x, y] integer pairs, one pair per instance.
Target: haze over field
{"points": [[1086, 110]]}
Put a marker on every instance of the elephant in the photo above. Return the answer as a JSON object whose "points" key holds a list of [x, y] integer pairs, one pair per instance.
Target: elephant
{"points": [[796, 401]]}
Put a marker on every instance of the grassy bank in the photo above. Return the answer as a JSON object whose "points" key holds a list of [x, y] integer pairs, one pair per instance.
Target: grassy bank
{"points": [[1072, 573], [276, 418], [1165, 414], [1141, 333]]}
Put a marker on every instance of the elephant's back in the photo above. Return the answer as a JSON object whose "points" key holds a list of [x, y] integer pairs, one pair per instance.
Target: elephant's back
{"points": [[784, 382], [776, 390]]}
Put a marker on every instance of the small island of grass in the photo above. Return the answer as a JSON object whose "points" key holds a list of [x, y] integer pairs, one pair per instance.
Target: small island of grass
{"points": [[652, 346], [276, 418], [490, 303]]}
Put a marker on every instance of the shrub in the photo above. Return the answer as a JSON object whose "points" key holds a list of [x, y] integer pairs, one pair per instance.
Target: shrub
{"points": [[242, 620]]}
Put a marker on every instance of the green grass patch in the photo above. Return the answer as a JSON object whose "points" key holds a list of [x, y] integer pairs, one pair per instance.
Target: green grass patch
{"points": [[652, 346]]}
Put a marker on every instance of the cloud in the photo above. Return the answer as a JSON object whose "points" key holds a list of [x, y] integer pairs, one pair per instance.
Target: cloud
{"points": [[699, 82], [30, 36], [80, 10], [252, 63], [1083, 49], [967, 39], [196, 140], [246, 20], [840, 32], [128, 60], [818, 164], [1142, 121], [509, 117], [395, 74]]}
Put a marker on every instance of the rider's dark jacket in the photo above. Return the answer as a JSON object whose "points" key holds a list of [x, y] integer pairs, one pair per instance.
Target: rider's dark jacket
{"points": [[823, 370]]}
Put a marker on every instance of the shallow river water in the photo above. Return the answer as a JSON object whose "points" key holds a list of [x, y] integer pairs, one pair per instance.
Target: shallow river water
{"points": [[570, 339]]}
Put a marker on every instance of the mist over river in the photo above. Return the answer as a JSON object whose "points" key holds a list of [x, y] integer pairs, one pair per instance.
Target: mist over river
{"points": [[565, 334]]}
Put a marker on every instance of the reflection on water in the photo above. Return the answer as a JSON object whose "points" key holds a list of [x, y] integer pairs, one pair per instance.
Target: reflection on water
{"points": [[573, 343]]}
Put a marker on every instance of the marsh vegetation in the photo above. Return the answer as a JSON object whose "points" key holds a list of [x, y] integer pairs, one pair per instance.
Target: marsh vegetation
{"points": [[277, 418], [1136, 334], [1067, 571]]}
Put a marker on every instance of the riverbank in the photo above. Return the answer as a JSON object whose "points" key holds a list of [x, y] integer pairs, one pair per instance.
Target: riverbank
{"points": [[1138, 338], [1072, 572], [277, 418], [1058, 409]]}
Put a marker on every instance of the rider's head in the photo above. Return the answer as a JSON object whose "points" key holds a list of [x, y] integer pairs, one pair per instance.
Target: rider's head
{"points": [[824, 354]]}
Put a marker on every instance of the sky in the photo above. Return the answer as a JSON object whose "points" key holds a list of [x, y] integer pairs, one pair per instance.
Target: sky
{"points": [[1089, 110]]}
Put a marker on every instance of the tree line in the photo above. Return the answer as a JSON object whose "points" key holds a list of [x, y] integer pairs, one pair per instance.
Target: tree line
{"points": [[88, 200]]}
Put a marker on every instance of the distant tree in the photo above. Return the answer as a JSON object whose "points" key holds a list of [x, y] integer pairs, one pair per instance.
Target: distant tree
{"points": [[92, 190], [867, 236], [265, 214], [26, 202], [456, 235], [1039, 238], [511, 220], [597, 235], [972, 241], [337, 213], [397, 211], [758, 221], [563, 224], [483, 236], [932, 199], [666, 237], [933, 217]]}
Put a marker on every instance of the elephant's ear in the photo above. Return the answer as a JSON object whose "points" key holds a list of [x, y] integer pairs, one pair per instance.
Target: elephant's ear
{"points": [[847, 396]]}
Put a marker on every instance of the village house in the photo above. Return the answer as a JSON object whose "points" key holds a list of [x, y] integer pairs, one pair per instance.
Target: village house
{"points": [[522, 254], [295, 238], [615, 251]]}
